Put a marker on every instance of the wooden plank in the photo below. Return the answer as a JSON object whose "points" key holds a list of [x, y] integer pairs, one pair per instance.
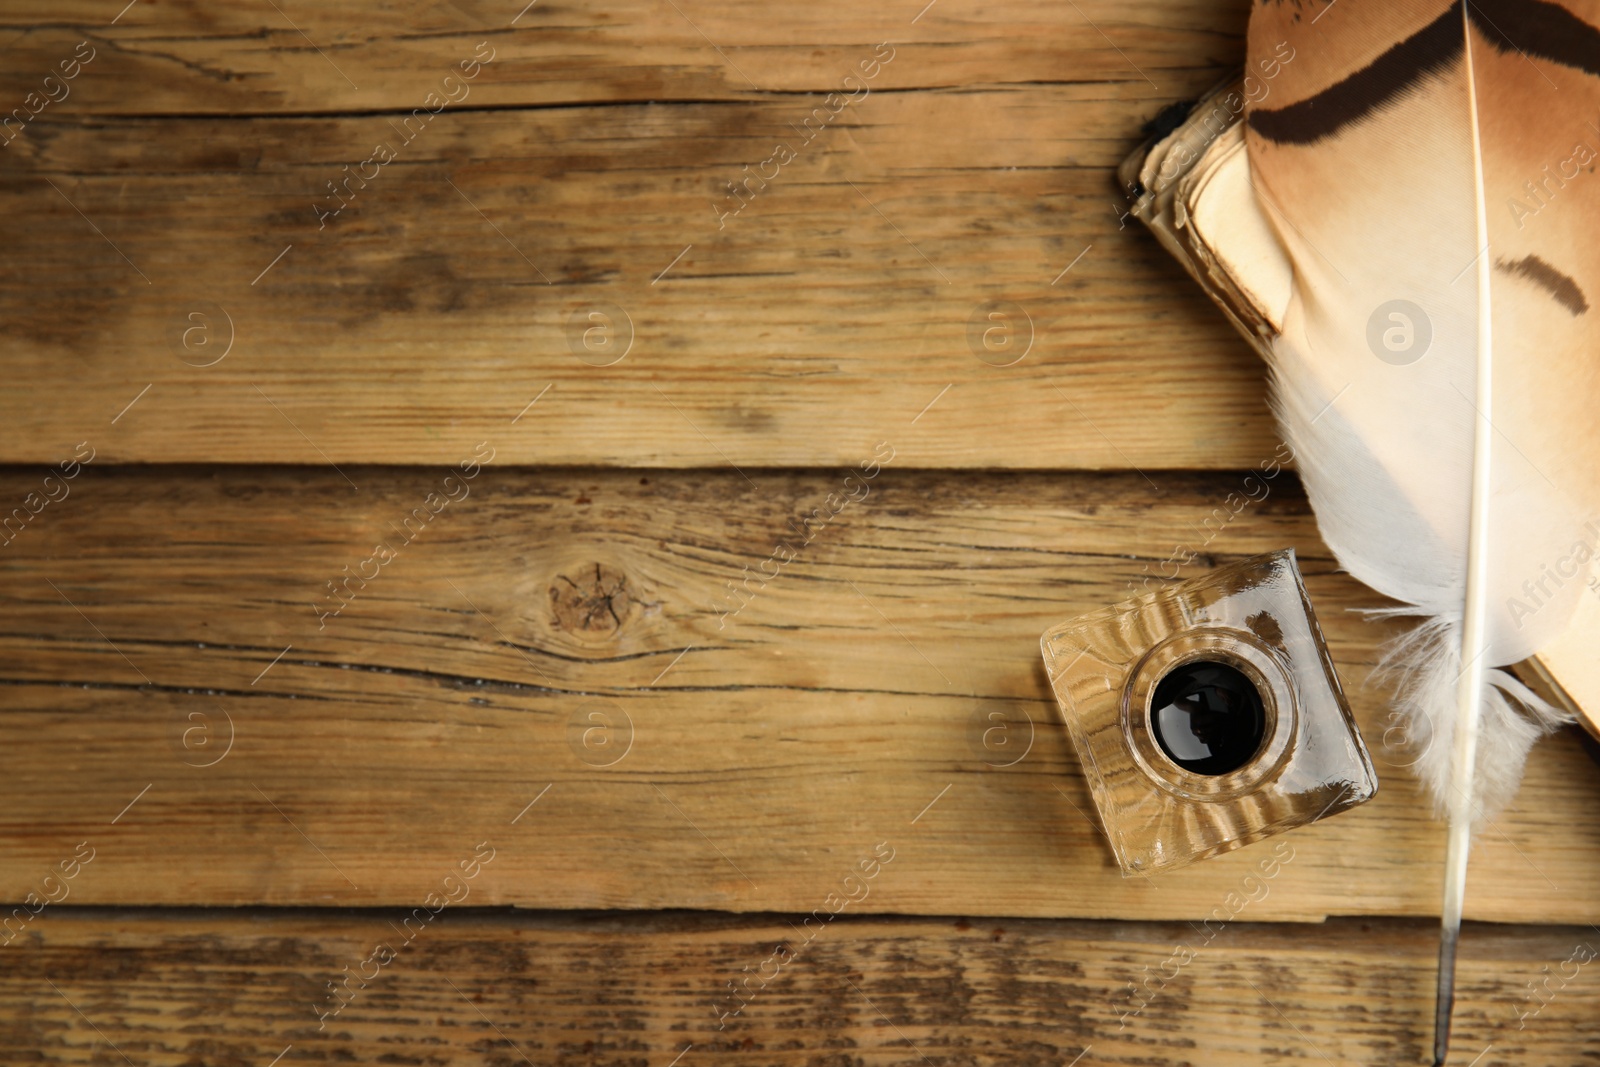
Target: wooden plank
{"points": [[557, 636], [262, 57], [176, 290], [242, 989]]}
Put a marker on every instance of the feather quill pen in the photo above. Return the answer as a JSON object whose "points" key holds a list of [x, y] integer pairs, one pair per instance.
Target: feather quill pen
{"points": [[1405, 223], [1426, 485]]}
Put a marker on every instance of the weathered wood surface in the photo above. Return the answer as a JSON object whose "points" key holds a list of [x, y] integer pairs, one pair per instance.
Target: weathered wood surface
{"points": [[174, 708], [265, 57], [738, 763], [238, 990], [456, 281]]}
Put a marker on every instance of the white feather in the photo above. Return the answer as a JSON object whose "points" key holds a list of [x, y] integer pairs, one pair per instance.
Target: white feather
{"points": [[1386, 447]]}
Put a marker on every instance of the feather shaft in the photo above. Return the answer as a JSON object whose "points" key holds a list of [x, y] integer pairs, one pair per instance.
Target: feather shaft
{"points": [[1475, 613]]}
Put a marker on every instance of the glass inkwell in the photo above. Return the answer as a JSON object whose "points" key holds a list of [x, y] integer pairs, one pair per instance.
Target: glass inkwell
{"points": [[1207, 715]]}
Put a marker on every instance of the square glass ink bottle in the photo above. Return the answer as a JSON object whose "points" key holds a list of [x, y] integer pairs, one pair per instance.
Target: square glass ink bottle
{"points": [[1207, 715]]}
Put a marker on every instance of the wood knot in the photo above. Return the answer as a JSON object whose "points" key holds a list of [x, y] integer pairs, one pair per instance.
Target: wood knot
{"points": [[593, 603]]}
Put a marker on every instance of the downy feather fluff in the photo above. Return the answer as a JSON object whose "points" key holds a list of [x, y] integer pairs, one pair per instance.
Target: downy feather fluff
{"points": [[1361, 162]]}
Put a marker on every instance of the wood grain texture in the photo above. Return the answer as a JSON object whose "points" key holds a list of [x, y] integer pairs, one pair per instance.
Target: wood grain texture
{"points": [[196, 256], [266, 57], [562, 629], [544, 671], [237, 990]]}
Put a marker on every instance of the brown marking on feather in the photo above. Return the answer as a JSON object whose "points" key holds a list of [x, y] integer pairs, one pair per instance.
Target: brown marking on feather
{"points": [[1538, 28], [1430, 49], [1560, 286], [1527, 27]]}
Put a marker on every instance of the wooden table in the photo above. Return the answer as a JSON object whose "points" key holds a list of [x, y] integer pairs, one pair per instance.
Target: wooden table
{"points": [[402, 411]]}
